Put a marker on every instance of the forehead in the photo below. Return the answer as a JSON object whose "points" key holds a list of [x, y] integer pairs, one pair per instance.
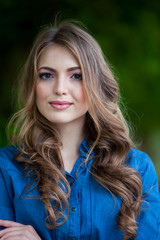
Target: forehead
{"points": [[57, 55]]}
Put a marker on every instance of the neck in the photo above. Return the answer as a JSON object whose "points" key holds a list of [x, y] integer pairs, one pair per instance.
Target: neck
{"points": [[71, 137]]}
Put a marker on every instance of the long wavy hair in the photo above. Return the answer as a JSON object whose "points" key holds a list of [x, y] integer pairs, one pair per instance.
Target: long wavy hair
{"points": [[107, 131]]}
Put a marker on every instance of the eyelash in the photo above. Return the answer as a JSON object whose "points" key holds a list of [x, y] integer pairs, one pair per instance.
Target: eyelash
{"points": [[78, 76], [45, 76]]}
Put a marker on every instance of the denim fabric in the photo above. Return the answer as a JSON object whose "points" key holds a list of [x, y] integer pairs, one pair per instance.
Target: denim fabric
{"points": [[93, 209]]}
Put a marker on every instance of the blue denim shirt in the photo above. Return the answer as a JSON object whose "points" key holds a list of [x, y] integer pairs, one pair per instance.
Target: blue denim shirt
{"points": [[93, 210]]}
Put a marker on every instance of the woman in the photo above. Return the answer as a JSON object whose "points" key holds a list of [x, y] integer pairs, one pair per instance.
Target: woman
{"points": [[72, 172]]}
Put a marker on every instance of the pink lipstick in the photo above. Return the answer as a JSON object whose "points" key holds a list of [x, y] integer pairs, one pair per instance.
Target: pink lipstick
{"points": [[61, 105]]}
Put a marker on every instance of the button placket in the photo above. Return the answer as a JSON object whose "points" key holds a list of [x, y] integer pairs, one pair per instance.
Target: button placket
{"points": [[74, 211]]}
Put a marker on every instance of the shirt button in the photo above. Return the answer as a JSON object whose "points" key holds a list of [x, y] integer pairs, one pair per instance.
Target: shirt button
{"points": [[73, 209], [72, 183]]}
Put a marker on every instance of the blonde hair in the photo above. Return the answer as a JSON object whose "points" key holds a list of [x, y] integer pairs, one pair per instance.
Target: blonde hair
{"points": [[107, 131]]}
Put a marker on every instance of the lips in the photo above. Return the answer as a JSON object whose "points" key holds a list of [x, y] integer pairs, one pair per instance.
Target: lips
{"points": [[60, 104]]}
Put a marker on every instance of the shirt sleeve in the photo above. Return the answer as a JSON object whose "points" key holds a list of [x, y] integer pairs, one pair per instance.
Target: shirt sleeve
{"points": [[149, 218], [6, 206]]}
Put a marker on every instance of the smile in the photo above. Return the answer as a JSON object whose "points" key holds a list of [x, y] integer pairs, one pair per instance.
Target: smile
{"points": [[60, 104]]}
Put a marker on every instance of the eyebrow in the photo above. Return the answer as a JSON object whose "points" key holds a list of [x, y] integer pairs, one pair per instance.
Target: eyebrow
{"points": [[53, 70]]}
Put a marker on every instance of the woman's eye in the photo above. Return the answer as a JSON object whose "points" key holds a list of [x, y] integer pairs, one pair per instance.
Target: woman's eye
{"points": [[77, 76], [45, 76]]}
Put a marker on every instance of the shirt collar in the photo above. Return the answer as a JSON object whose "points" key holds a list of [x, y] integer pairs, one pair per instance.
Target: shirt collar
{"points": [[85, 148]]}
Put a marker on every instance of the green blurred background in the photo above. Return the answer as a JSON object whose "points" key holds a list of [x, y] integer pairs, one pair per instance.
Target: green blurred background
{"points": [[129, 33]]}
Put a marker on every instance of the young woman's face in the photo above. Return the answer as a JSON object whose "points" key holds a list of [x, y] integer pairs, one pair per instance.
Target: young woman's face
{"points": [[59, 93]]}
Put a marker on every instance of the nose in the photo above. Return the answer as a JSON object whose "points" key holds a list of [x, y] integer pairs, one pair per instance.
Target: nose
{"points": [[60, 87]]}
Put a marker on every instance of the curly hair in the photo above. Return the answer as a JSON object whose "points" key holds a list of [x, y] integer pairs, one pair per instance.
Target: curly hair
{"points": [[107, 131]]}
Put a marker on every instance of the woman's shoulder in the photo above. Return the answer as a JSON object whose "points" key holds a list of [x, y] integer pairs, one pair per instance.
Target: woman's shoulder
{"points": [[7, 157], [136, 158], [141, 162]]}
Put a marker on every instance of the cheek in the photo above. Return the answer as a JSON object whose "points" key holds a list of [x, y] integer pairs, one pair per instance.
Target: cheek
{"points": [[80, 96], [42, 92], [83, 99]]}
